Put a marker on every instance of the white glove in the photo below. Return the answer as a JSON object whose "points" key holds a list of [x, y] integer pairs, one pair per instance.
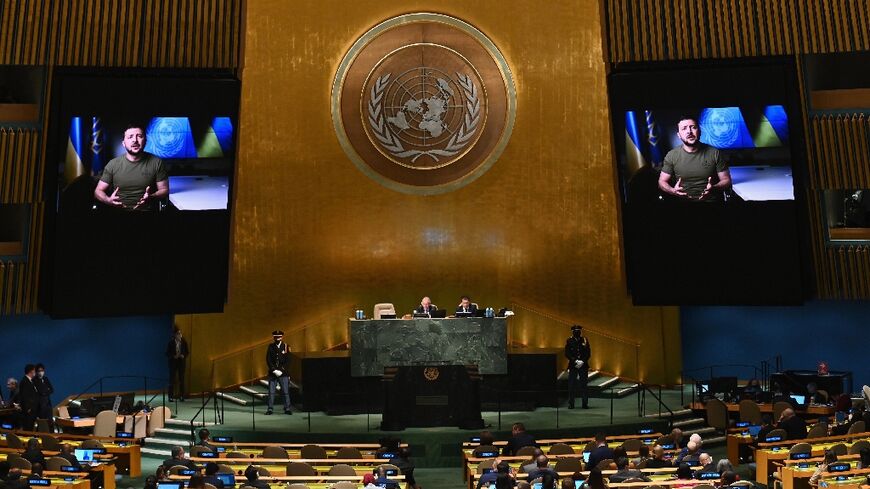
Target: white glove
{"points": [[277, 373], [578, 363]]}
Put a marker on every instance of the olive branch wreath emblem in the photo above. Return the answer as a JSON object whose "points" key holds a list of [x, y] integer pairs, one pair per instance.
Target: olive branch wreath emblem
{"points": [[391, 142]]}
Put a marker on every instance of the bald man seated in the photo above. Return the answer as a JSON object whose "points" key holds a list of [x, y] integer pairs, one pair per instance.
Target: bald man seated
{"points": [[794, 426]]}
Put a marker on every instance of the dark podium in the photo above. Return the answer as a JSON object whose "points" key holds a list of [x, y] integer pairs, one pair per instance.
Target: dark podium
{"points": [[431, 395]]}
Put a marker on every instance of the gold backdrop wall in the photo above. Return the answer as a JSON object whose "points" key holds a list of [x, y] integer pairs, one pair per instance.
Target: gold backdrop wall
{"points": [[313, 237]]}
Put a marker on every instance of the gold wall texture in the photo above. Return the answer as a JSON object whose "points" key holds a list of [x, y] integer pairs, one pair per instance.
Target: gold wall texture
{"points": [[313, 237]]}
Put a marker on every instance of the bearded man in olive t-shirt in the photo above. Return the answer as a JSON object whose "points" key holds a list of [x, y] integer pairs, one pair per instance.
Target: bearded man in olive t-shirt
{"points": [[700, 172], [137, 179]]}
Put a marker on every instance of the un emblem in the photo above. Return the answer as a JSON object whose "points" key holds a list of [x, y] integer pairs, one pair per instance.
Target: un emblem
{"points": [[423, 103], [431, 373]]}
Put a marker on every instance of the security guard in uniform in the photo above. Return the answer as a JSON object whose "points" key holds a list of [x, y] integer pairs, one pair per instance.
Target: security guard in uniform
{"points": [[577, 351], [277, 356]]}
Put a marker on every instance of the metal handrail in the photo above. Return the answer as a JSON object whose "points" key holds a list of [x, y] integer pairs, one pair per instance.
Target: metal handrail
{"points": [[207, 398], [108, 377], [642, 390]]}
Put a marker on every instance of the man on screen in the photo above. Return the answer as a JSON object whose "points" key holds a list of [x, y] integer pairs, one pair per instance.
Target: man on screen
{"points": [[700, 172], [137, 180]]}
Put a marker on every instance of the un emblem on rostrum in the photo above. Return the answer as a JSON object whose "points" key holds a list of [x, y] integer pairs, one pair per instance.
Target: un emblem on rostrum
{"points": [[423, 103]]}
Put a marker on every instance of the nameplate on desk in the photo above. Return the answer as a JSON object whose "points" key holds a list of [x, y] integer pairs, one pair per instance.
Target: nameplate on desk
{"points": [[773, 438], [123, 434], [838, 467], [223, 439], [99, 451], [474, 439], [68, 468], [803, 465], [221, 449], [39, 482], [487, 454], [6, 426], [648, 441], [708, 475], [668, 446], [208, 454], [392, 472], [742, 424], [798, 456], [388, 455], [187, 472], [644, 431], [69, 479]]}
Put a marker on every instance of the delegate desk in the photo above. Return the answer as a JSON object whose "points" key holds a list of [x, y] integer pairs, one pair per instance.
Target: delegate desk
{"points": [[795, 474], [310, 481], [375, 344], [814, 409], [294, 450], [768, 454], [278, 466], [127, 456], [107, 469]]}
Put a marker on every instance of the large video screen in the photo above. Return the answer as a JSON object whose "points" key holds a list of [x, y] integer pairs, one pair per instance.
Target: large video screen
{"points": [[709, 159], [746, 146], [139, 165]]}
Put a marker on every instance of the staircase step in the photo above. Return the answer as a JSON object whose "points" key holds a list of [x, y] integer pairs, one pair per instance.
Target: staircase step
{"points": [[185, 422], [170, 442], [625, 388], [592, 374], [606, 383], [292, 385], [688, 422], [260, 394], [156, 452], [665, 414], [235, 398], [170, 432], [703, 431], [715, 441]]}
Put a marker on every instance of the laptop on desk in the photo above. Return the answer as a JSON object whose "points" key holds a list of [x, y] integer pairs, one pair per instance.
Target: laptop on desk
{"points": [[463, 314], [388, 316]]}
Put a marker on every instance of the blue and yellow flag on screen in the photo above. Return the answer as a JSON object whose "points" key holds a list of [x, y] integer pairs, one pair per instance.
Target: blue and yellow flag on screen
{"points": [[634, 159], [73, 164]]}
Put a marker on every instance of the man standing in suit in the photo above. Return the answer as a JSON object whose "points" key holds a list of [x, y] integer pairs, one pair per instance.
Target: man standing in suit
{"points": [[578, 351], [277, 356], [426, 307], [176, 353], [466, 306], [43, 385], [601, 451], [28, 395]]}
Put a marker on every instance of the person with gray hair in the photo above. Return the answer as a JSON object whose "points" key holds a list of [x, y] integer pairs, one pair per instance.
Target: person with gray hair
{"points": [[724, 465], [707, 465], [690, 453]]}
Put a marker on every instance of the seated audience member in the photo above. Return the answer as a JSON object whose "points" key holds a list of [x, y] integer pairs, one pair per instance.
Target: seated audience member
{"points": [[504, 481], [205, 440], [601, 451], [658, 459], [485, 480], [752, 389], [707, 465], [548, 481], [252, 478], [830, 457], [619, 452], [519, 439], [684, 472], [36, 470], [160, 473], [864, 461], [389, 444], [542, 466], [487, 438], [766, 427], [196, 481], [689, 454], [12, 478], [595, 480], [402, 460], [729, 477], [567, 483], [211, 470], [724, 465], [642, 456], [178, 458], [383, 481], [623, 473], [33, 452], [529, 467], [150, 482], [67, 453], [794, 426], [368, 481]]}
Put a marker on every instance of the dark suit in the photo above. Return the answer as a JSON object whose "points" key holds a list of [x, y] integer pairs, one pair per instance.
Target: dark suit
{"points": [[172, 462], [518, 441], [625, 474], [471, 308], [421, 310], [707, 469], [176, 365], [597, 455], [45, 389], [539, 472], [28, 398], [655, 463], [71, 458], [34, 456], [795, 427], [577, 349], [258, 484]]}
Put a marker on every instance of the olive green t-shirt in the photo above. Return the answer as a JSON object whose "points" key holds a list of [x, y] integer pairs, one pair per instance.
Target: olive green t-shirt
{"points": [[132, 177], [694, 169]]}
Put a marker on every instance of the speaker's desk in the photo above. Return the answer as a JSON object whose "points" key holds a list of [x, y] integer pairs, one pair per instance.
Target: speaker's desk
{"points": [[375, 344]]}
